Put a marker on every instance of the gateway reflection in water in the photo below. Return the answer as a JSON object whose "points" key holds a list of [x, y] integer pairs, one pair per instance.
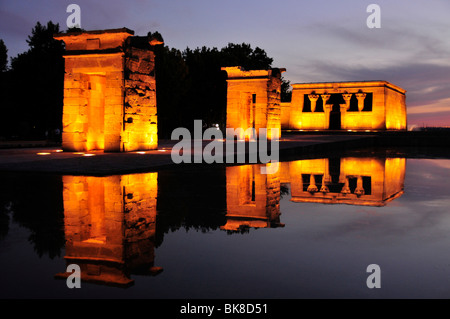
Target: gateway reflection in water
{"points": [[253, 199], [110, 226], [110, 222]]}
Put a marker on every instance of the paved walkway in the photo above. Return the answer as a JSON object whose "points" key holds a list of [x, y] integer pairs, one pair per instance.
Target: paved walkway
{"points": [[54, 160]]}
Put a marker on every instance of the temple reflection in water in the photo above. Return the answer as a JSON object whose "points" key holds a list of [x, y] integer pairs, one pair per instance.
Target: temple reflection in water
{"points": [[110, 226], [110, 222], [348, 180], [253, 199]]}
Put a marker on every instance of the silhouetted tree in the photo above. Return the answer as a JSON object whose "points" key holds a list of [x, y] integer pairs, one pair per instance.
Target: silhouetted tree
{"points": [[3, 56], [34, 201], [243, 55], [4, 80], [35, 95], [74, 30], [286, 90], [208, 86], [171, 90]]}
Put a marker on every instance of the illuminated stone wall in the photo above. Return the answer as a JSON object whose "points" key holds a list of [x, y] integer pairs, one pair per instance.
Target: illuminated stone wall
{"points": [[110, 226], [253, 99], [253, 199], [360, 181], [371, 105], [109, 91], [395, 110]]}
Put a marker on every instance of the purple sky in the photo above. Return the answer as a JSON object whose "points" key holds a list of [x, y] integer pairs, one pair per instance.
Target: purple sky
{"points": [[314, 40]]}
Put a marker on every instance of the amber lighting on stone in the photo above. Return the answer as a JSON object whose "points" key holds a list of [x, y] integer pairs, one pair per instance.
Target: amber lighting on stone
{"points": [[253, 99], [361, 181], [110, 226], [109, 91], [350, 106], [253, 199]]}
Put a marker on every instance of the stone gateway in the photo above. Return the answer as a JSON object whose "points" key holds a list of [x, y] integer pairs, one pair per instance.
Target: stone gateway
{"points": [[109, 91]]}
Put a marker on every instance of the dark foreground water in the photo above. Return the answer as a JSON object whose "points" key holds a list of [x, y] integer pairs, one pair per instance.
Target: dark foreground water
{"points": [[310, 230]]}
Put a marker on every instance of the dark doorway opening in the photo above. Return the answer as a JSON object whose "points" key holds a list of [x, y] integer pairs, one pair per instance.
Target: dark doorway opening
{"points": [[335, 114]]}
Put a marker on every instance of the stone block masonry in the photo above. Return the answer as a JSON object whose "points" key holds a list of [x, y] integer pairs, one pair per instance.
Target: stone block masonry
{"points": [[354, 106], [109, 91], [253, 99]]}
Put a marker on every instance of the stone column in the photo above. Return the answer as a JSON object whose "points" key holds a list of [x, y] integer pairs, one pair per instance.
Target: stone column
{"points": [[312, 188], [324, 189], [326, 110], [326, 174], [359, 187], [345, 189], [360, 97], [347, 97], [313, 98], [325, 98], [344, 108]]}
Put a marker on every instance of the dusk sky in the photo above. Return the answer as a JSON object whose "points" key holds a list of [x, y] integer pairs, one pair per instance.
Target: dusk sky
{"points": [[316, 41]]}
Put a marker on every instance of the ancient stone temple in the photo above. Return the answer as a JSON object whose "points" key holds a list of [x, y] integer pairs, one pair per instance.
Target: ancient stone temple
{"points": [[109, 91], [253, 99], [356, 106]]}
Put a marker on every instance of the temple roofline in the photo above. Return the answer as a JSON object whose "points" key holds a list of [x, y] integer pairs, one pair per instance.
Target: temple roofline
{"points": [[76, 33], [239, 73], [348, 84]]}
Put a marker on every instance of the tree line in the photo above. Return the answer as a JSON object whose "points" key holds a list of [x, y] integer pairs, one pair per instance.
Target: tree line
{"points": [[190, 84]]}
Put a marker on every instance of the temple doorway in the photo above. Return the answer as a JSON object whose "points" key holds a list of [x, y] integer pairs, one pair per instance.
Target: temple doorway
{"points": [[335, 114], [96, 111]]}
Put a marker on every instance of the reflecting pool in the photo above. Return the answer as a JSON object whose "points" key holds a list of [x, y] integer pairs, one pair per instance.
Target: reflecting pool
{"points": [[309, 229]]}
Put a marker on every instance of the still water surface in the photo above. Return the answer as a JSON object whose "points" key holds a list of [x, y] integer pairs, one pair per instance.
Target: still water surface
{"points": [[307, 231]]}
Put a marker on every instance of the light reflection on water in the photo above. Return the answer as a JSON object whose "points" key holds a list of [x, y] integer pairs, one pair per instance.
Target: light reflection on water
{"points": [[307, 231]]}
